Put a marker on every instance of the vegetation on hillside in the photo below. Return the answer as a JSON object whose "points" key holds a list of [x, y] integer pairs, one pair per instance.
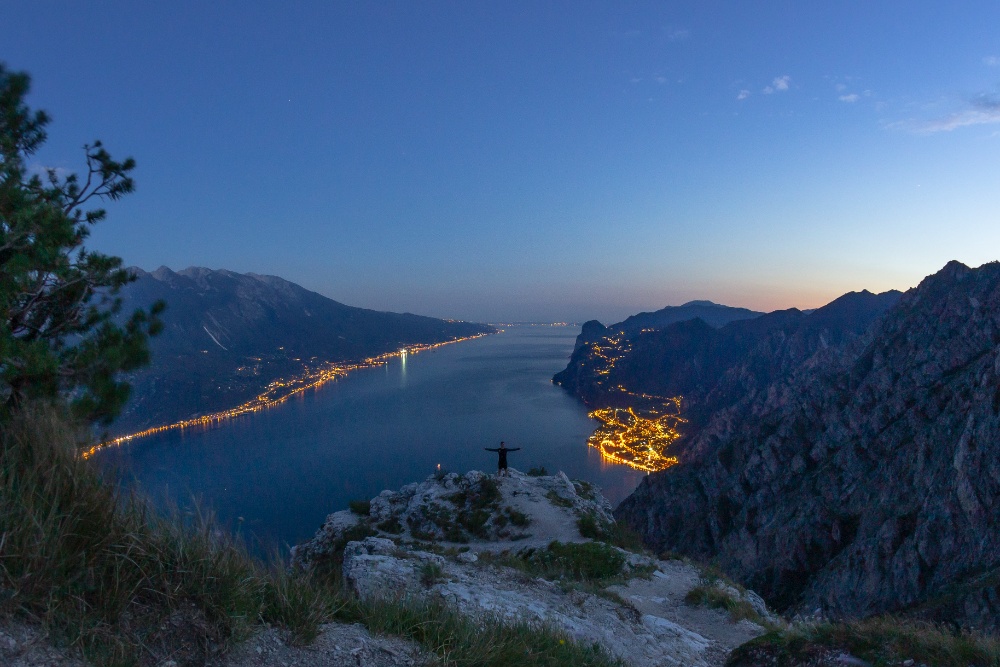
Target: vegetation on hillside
{"points": [[102, 572], [880, 642], [58, 300], [111, 578]]}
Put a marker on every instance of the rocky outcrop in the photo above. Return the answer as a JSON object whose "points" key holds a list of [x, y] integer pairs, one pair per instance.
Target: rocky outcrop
{"points": [[471, 509], [866, 479], [636, 610]]}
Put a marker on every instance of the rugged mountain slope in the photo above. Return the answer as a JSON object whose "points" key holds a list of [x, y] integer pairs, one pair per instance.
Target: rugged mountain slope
{"points": [[713, 314], [227, 335], [711, 367], [475, 543], [865, 480]]}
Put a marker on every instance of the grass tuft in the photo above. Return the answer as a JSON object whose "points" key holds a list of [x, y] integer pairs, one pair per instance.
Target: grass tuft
{"points": [[360, 507], [461, 641], [430, 574], [558, 500], [613, 533], [879, 641], [714, 597], [110, 577], [587, 561]]}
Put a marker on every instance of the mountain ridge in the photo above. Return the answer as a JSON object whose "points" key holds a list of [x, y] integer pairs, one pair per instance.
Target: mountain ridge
{"points": [[710, 366], [866, 479], [227, 335]]}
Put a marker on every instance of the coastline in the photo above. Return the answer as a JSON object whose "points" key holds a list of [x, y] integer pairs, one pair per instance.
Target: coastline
{"points": [[279, 391]]}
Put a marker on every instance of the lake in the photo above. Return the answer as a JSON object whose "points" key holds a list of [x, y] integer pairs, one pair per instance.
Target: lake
{"points": [[275, 475]]}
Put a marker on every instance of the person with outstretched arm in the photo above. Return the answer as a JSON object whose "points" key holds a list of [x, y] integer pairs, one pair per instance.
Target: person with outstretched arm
{"points": [[502, 452]]}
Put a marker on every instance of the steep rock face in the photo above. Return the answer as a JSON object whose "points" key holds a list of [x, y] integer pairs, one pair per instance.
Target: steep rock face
{"points": [[865, 480], [713, 368], [227, 335]]}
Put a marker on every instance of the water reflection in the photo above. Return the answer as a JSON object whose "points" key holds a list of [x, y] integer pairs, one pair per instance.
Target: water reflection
{"points": [[285, 469]]}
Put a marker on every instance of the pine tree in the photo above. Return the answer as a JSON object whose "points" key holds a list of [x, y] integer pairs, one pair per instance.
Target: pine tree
{"points": [[61, 332]]}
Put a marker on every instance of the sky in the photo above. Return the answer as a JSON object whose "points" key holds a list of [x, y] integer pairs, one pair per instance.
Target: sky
{"points": [[499, 161]]}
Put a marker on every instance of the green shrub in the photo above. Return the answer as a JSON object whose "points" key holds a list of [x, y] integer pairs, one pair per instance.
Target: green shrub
{"points": [[390, 525], [360, 507], [623, 537], [461, 641], [455, 534], [519, 519], [105, 573], [489, 494], [537, 471], [588, 561], [714, 597], [430, 573], [880, 641], [614, 533], [589, 527], [109, 577], [558, 500], [584, 489]]}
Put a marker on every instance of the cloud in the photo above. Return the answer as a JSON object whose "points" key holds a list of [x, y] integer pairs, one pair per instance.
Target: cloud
{"points": [[853, 97], [779, 84], [992, 61], [841, 87], [660, 79], [984, 110], [743, 94], [677, 34]]}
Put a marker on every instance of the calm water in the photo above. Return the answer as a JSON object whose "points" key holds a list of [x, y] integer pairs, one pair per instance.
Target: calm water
{"points": [[285, 469]]}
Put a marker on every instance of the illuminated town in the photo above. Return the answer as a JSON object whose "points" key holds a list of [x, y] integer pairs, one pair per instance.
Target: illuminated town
{"points": [[638, 440], [633, 436], [278, 392]]}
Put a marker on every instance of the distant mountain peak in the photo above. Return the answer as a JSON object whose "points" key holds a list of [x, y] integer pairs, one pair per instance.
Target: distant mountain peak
{"points": [[227, 335], [162, 273], [714, 314]]}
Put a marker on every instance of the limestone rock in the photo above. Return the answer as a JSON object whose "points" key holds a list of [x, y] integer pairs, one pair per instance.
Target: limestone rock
{"points": [[866, 479], [642, 618]]}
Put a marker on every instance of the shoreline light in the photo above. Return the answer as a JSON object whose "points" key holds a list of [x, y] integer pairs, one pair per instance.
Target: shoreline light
{"points": [[277, 392], [638, 439]]}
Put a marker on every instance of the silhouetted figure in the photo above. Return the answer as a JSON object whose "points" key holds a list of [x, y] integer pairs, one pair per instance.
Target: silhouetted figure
{"points": [[502, 451]]}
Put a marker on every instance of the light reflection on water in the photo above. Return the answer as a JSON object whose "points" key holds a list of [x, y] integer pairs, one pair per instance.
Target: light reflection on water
{"points": [[284, 469]]}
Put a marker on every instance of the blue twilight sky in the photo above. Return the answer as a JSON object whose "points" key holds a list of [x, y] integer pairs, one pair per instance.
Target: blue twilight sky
{"points": [[528, 160]]}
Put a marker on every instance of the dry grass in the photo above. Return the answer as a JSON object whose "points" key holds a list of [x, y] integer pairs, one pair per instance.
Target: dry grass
{"points": [[880, 641], [715, 597], [613, 533], [461, 641], [106, 575], [125, 586]]}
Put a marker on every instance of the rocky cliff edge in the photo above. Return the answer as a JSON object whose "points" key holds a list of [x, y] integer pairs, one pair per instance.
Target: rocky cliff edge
{"points": [[534, 549], [868, 481]]}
